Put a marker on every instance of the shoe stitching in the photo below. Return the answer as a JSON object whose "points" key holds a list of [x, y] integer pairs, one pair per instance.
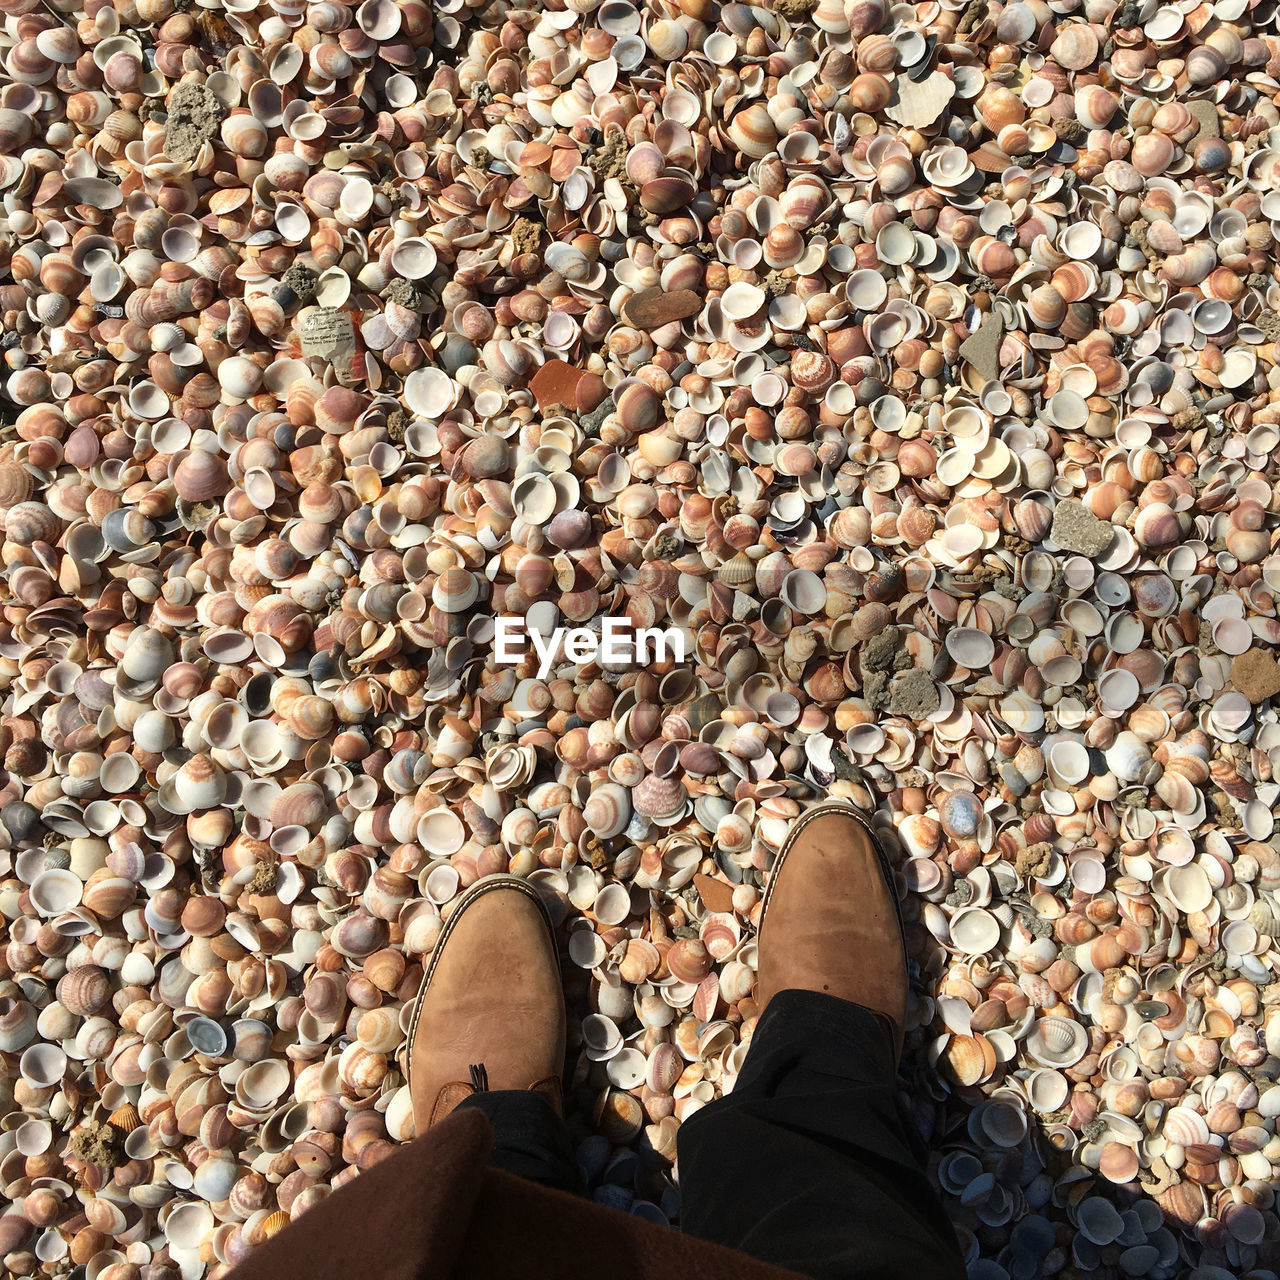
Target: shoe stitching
{"points": [[473, 894]]}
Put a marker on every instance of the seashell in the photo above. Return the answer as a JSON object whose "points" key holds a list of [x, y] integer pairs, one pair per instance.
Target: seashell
{"points": [[974, 931], [1095, 106], [84, 991], [17, 1024], [966, 1059], [608, 810], [200, 477], [55, 890], [1057, 1042], [658, 798], [752, 131], [42, 1065], [28, 522]]}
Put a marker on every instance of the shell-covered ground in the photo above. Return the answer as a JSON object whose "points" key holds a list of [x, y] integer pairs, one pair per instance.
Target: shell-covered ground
{"points": [[917, 361]]}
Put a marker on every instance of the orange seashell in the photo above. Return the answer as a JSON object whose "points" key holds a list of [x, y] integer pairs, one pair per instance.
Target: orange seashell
{"points": [[125, 1118], [966, 1059], [689, 960]]}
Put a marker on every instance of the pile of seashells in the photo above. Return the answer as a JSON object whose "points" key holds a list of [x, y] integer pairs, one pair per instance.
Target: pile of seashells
{"points": [[917, 360]]}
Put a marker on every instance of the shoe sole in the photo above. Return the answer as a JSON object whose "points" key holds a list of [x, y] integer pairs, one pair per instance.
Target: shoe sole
{"points": [[478, 890], [822, 810]]}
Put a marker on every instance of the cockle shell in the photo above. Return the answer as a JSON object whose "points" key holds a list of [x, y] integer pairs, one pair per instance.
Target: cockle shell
{"points": [[658, 797], [1057, 1042]]}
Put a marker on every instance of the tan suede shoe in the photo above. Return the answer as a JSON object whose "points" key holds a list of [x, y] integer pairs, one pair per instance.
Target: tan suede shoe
{"points": [[490, 1014], [829, 920]]}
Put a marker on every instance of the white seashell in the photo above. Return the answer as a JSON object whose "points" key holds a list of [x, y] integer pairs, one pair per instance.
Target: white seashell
{"points": [[804, 592], [1069, 760], [613, 904], [413, 258], [627, 1069], [970, 648], [42, 1065], [441, 884], [261, 1083], [379, 19], [586, 948], [1057, 1042], [441, 833], [188, 1224], [601, 1036], [430, 392], [974, 931], [1118, 689], [119, 772], [239, 377], [1128, 757], [1047, 1090], [1188, 887], [741, 300], [895, 244], [55, 891], [18, 1025]]}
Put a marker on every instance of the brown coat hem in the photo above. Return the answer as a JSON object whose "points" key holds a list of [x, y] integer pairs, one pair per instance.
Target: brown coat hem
{"points": [[436, 1209]]}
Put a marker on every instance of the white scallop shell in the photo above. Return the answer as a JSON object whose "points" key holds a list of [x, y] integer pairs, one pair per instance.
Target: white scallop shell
{"points": [[1057, 1042]]}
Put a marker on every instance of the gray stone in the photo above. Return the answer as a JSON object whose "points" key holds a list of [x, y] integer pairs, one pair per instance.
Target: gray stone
{"points": [[195, 116], [982, 349], [1076, 528], [1206, 114], [914, 695]]}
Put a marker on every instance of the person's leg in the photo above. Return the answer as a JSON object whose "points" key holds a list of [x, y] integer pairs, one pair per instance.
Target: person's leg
{"points": [[488, 1031], [808, 1163], [529, 1138]]}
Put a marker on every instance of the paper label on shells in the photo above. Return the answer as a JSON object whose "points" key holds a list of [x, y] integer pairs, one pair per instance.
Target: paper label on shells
{"points": [[329, 334]]}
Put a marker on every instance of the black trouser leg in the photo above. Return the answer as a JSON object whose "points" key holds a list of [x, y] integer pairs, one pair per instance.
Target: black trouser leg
{"points": [[809, 1162], [529, 1138]]}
